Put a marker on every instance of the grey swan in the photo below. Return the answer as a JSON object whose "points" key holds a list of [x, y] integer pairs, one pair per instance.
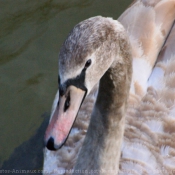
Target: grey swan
{"points": [[132, 125]]}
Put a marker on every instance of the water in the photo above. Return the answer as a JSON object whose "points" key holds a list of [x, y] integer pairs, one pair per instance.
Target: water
{"points": [[31, 33]]}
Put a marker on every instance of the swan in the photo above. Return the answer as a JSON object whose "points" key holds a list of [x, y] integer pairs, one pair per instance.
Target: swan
{"points": [[124, 72]]}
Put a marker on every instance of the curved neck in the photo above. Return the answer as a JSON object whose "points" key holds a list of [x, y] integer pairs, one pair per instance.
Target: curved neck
{"points": [[101, 149]]}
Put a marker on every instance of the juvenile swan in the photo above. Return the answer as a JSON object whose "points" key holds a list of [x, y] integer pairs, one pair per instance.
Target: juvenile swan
{"points": [[131, 130]]}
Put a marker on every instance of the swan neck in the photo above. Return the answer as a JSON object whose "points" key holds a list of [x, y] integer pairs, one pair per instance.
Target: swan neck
{"points": [[110, 110], [101, 149]]}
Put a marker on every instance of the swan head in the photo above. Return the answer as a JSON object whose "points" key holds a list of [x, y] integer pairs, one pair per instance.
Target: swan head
{"points": [[87, 53]]}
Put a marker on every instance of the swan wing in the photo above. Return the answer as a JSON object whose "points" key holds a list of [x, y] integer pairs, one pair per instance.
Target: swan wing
{"points": [[149, 142], [148, 23]]}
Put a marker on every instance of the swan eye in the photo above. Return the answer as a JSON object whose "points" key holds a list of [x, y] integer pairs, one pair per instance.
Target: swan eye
{"points": [[67, 103], [88, 63]]}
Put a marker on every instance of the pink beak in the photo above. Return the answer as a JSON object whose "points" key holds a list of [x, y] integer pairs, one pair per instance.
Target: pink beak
{"points": [[63, 118]]}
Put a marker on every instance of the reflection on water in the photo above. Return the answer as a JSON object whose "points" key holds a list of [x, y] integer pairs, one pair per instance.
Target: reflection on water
{"points": [[31, 34]]}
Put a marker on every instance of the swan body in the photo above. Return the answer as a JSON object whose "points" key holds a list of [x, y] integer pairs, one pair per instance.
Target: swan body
{"points": [[148, 144]]}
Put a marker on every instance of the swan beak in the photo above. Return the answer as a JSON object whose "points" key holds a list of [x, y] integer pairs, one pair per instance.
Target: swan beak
{"points": [[63, 117]]}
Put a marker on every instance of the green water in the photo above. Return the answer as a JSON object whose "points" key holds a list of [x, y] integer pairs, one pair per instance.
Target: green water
{"points": [[31, 33]]}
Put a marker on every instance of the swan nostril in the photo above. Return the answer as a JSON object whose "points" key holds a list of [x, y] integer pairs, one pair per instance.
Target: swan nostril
{"points": [[50, 144], [67, 103]]}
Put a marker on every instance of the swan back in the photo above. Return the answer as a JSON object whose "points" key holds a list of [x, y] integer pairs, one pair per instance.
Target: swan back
{"points": [[148, 23], [148, 145]]}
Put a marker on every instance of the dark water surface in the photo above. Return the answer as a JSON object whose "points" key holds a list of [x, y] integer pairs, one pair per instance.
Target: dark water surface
{"points": [[31, 33]]}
